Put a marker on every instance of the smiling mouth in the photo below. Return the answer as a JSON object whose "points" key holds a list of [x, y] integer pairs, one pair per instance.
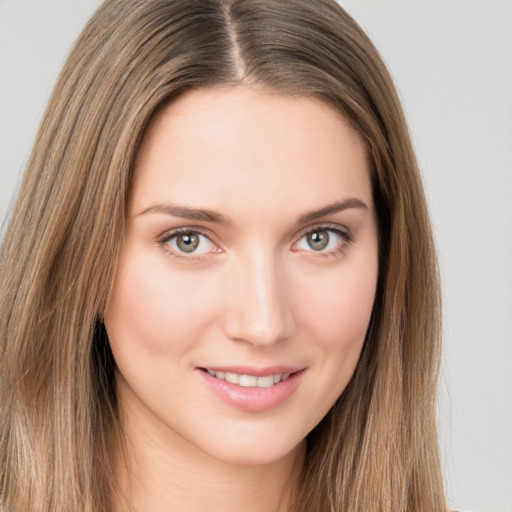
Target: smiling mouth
{"points": [[249, 381]]}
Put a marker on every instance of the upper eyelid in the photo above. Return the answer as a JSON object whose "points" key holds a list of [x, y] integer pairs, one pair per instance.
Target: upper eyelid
{"points": [[344, 234], [326, 227], [169, 234]]}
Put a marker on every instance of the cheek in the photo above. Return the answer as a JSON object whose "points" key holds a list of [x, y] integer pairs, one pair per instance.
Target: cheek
{"points": [[155, 309], [337, 312]]}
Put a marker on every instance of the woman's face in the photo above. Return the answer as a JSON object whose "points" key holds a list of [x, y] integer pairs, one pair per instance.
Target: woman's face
{"points": [[247, 281]]}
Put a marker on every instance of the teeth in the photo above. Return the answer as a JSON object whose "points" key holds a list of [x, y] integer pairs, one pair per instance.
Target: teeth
{"points": [[234, 378], [265, 382], [250, 381]]}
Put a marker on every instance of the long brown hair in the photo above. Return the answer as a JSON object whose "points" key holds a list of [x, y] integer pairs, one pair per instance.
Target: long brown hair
{"points": [[376, 450]]}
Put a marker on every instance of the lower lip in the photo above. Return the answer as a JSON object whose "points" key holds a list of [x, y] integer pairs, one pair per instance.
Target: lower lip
{"points": [[252, 399]]}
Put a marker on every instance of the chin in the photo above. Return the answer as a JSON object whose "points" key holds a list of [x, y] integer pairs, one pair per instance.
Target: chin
{"points": [[260, 449]]}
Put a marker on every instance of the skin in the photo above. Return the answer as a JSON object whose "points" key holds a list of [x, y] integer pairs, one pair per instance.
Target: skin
{"points": [[254, 293]]}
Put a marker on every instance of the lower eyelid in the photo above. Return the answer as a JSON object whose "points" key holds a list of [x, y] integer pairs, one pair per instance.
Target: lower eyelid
{"points": [[165, 242], [344, 236]]}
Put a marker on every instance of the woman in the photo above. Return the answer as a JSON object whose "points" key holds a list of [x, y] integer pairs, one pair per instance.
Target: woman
{"points": [[219, 286]]}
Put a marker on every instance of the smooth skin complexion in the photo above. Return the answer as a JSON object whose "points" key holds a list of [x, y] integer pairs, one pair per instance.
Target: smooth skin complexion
{"points": [[252, 253]]}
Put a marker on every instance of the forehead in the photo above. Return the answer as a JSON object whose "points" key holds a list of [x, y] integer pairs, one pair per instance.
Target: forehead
{"points": [[227, 146]]}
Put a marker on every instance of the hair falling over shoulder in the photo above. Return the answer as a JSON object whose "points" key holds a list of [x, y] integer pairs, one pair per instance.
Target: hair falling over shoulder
{"points": [[377, 449]]}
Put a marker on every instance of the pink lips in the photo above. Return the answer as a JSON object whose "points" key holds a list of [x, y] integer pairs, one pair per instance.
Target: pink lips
{"points": [[253, 399]]}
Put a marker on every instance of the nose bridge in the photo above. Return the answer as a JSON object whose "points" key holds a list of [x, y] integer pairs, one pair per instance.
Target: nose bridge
{"points": [[259, 310]]}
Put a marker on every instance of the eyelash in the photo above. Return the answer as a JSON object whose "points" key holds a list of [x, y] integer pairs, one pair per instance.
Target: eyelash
{"points": [[346, 240], [167, 237], [339, 249]]}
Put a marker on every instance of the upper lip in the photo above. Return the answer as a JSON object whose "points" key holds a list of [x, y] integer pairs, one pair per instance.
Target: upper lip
{"points": [[256, 372]]}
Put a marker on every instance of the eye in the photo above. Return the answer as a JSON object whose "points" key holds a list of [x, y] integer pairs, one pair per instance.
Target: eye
{"points": [[190, 242], [322, 240]]}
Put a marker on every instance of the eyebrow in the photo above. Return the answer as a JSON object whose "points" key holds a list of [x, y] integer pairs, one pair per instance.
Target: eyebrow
{"points": [[187, 213], [206, 215], [339, 206]]}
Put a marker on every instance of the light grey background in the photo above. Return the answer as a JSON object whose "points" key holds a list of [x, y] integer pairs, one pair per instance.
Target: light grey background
{"points": [[452, 62]]}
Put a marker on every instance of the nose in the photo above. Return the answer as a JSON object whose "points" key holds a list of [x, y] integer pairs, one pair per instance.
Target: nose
{"points": [[259, 301]]}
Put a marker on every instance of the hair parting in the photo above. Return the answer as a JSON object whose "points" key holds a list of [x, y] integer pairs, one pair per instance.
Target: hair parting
{"points": [[377, 447]]}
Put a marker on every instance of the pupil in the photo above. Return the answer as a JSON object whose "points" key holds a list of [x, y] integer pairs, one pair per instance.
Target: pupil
{"points": [[188, 242], [318, 240]]}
